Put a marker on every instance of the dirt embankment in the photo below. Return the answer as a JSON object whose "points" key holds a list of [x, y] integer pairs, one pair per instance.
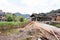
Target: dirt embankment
{"points": [[35, 30]]}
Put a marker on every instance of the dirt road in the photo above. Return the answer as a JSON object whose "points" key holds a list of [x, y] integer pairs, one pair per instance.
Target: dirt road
{"points": [[50, 32], [51, 29]]}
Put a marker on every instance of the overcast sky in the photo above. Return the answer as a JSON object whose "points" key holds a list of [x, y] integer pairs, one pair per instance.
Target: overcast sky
{"points": [[29, 6]]}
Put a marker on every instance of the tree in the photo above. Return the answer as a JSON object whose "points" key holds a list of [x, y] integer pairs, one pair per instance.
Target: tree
{"points": [[21, 19], [9, 18], [14, 17]]}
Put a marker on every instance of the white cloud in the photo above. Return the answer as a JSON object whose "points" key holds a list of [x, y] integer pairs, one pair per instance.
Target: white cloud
{"points": [[29, 6]]}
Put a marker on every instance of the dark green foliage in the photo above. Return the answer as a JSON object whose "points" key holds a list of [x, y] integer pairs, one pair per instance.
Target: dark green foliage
{"points": [[9, 19], [12, 17], [21, 19]]}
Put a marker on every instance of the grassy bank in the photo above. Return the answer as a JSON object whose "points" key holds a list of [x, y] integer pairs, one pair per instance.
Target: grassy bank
{"points": [[57, 25], [11, 27]]}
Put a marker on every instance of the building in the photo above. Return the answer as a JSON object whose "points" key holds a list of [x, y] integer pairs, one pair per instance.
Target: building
{"points": [[58, 17], [2, 15], [55, 17], [40, 17]]}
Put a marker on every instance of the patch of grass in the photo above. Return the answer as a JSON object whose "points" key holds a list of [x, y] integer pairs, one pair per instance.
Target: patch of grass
{"points": [[11, 27], [11, 32], [57, 25], [7, 25]]}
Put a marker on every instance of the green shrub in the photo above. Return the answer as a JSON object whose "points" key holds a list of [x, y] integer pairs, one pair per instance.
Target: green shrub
{"points": [[21, 19], [9, 19]]}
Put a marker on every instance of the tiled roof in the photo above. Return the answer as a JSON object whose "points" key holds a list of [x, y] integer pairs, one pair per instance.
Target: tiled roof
{"points": [[40, 15]]}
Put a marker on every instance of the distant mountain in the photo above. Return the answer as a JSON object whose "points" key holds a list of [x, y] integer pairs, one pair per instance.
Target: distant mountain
{"points": [[18, 14], [25, 15]]}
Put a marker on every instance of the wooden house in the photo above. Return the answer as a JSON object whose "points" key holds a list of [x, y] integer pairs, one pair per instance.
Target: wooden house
{"points": [[2, 15], [40, 17], [58, 17]]}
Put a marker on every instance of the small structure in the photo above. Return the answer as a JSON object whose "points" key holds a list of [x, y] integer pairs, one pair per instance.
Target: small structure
{"points": [[55, 17], [58, 17], [2, 15], [40, 17]]}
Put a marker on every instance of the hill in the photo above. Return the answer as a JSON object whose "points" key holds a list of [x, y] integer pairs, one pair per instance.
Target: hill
{"points": [[25, 15]]}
